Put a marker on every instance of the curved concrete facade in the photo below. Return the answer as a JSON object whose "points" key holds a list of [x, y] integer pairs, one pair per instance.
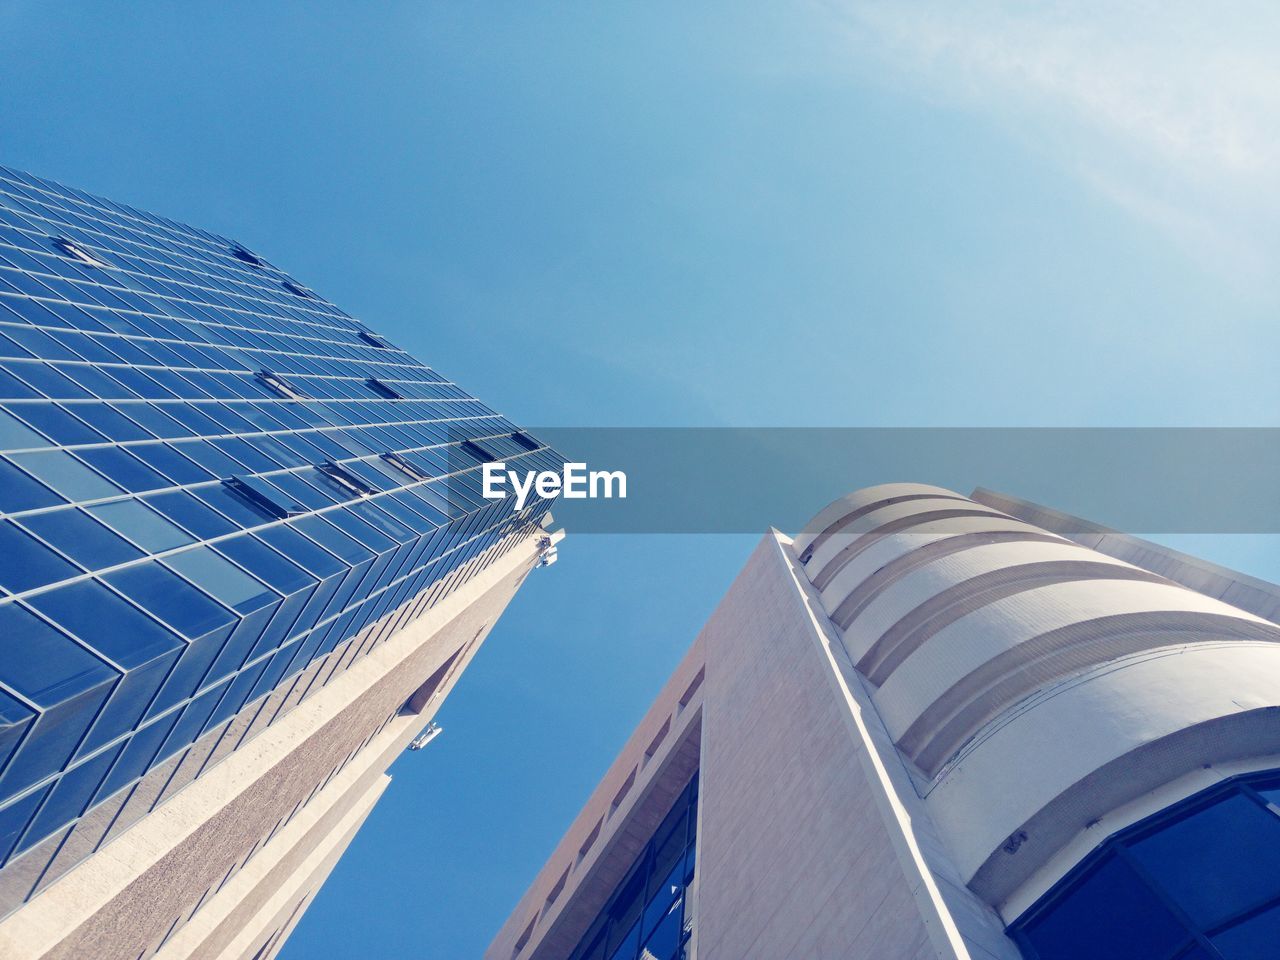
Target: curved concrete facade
{"points": [[1034, 686]]}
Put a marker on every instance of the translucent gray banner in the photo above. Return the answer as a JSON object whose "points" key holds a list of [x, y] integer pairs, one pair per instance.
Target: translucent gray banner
{"points": [[737, 480]]}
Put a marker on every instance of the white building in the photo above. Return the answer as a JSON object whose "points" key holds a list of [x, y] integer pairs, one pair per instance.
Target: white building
{"points": [[936, 726]]}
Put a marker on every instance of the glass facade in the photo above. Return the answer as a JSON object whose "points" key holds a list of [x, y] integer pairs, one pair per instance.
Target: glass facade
{"points": [[648, 916], [1200, 881], [210, 478]]}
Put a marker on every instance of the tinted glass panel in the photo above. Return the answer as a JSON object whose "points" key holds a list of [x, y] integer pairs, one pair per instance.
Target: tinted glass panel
{"points": [[82, 538], [106, 622], [62, 472], [27, 563], [171, 598], [40, 663], [1204, 871], [1257, 938], [140, 524], [1138, 926], [1217, 861], [154, 358], [635, 924]]}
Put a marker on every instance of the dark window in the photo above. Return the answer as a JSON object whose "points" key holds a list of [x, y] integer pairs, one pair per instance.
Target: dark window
{"points": [[246, 256], [373, 340], [279, 385], [1257, 938], [1217, 861], [383, 389], [1113, 899], [345, 480], [646, 917], [1199, 881], [262, 497], [405, 467]]}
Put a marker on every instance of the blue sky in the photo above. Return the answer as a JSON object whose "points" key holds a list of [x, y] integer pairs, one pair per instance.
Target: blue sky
{"points": [[669, 214]]}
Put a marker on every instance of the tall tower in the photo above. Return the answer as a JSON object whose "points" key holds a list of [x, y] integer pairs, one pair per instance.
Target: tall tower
{"points": [[243, 555], [937, 727]]}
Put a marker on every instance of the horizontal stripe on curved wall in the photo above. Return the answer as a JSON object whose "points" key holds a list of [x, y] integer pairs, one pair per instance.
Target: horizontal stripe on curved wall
{"points": [[1032, 684]]}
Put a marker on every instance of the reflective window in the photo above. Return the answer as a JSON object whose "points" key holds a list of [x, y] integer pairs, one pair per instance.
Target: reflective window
{"points": [[648, 917], [28, 563], [1201, 880], [128, 395], [140, 524], [62, 472], [80, 537]]}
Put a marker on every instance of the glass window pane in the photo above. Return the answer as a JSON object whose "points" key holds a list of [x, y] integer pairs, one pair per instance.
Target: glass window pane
{"points": [[62, 472], [53, 421], [664, 942], [1258, 938], [82, 538], [14, 819], [172, 599], [138, 753], [191, 514], [15, 718], [1111, 915], [627, 945], [124, 469], [19, 492], [106, 622], [627, 902], [266, 564], [664, 894], [1218, 861], [140, 524], [40, 663], [168, 461], [15, 435], [71, 794], [222, 578], [28, 564]]}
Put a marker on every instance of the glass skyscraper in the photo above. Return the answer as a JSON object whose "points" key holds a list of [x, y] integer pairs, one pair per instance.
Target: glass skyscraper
{"points": [[222, 496]]}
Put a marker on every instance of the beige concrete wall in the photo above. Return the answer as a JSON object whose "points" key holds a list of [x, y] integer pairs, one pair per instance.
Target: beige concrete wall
{"points": [[616, 822], [794, 859], [812, 842]]}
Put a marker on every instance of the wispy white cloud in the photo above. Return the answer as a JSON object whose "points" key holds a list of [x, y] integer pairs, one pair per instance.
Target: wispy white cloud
{"points": [[1170, 109]]}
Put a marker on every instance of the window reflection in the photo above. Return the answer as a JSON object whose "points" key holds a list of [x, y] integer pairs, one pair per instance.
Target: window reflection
{"points": [[647, 917], [1198, 882]]}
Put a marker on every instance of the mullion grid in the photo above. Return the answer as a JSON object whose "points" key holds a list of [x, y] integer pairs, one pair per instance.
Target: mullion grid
{"points": [[234, 282], [399, 582], [451, 560], [175, 286], [599, 936], [388, 358], [538, 456], [388, 625], [357, 344]]}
